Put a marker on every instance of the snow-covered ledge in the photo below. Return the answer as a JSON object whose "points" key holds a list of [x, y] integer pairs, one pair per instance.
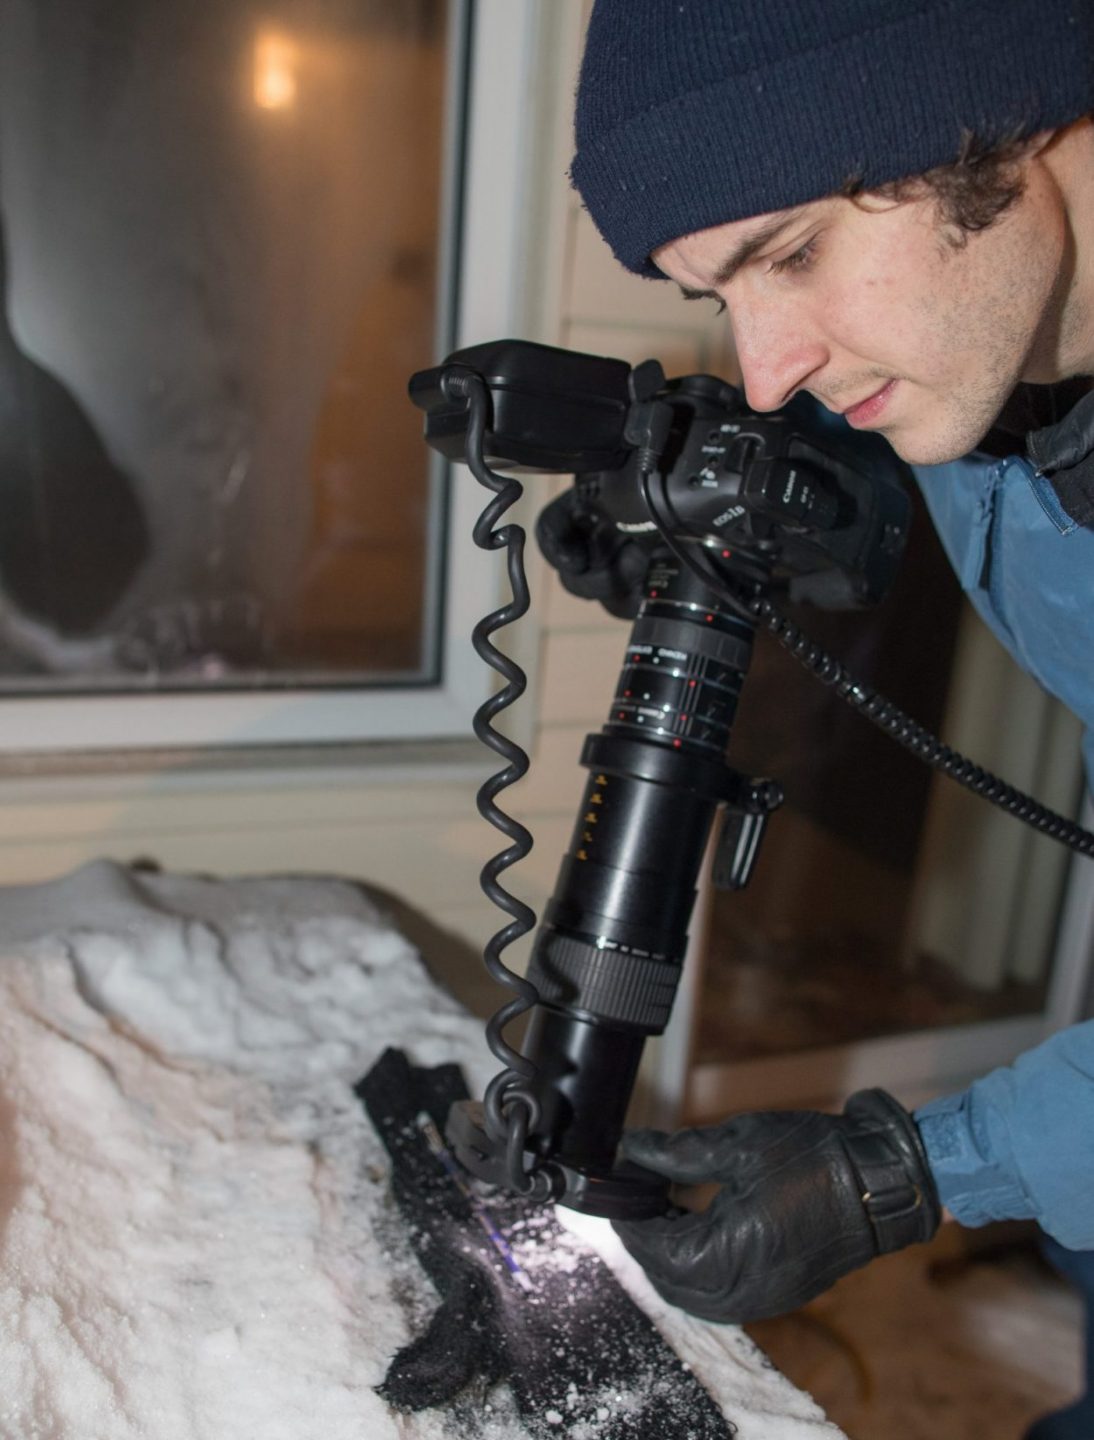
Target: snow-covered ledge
{"points": [[192, 1200]]}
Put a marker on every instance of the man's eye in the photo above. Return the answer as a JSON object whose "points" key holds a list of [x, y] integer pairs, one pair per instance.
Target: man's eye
{"points": [[801, 259]]}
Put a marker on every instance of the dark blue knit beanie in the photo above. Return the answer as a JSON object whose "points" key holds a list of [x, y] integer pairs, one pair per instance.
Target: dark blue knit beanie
{"points": [[691, 113]]}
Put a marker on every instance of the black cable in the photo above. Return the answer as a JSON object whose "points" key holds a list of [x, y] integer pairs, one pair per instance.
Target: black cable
{"points": [[914, 737], [703, 569], [886, 715], [511, 1108]]}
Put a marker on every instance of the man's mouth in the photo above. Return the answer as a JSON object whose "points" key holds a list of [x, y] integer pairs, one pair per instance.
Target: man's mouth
{"points": [[866, 411]]}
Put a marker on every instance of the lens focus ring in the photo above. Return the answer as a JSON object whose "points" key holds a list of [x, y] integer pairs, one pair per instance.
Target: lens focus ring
{"points": [[614, 985]]}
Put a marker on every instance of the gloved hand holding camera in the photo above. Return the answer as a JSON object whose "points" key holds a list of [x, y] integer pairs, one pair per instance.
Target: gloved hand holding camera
{"points": [[594, 561], [805, 1197]]}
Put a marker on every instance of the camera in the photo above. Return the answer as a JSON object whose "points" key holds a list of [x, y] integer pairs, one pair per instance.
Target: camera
{"points": [[721, 505], [826, 508]]}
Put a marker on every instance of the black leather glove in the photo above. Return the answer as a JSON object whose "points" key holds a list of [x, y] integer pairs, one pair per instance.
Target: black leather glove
{"points": [[805, 1198], [593, 559]]}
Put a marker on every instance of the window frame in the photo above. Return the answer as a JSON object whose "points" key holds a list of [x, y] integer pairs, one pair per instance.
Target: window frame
{"points": [[492, 43]]}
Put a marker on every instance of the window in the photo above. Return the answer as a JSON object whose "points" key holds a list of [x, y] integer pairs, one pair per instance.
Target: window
{"points": [[230, 235]]}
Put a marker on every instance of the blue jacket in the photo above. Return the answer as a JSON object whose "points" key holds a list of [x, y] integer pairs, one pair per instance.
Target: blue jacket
{"points": [[1019, 1143]]}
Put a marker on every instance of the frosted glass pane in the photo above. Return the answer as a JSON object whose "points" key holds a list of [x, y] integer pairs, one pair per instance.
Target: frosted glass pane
{"points": [[220, 250]]}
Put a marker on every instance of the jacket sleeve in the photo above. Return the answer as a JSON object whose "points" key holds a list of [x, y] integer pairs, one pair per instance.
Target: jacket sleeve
{"points": [[1018, 1144]]}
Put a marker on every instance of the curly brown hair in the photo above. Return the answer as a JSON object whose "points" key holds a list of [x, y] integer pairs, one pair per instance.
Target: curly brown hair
{"points": [[971, 192]]}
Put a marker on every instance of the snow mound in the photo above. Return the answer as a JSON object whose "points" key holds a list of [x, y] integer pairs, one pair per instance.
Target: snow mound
{"points": [[197, 1239]]}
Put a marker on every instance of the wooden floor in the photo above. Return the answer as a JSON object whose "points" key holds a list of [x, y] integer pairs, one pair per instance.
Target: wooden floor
{"points": [[969, 1338], [773, 996]]}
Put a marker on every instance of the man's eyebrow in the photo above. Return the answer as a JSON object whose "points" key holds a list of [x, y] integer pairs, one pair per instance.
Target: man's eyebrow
{"points": [[741, 254]]}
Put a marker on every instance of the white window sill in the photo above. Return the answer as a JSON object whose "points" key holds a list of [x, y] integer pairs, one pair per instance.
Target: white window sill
{"points": [[258, 767]]}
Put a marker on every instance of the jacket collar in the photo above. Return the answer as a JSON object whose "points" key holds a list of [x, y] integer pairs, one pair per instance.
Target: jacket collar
{"points": [[1056, 425], [1065, 453]]}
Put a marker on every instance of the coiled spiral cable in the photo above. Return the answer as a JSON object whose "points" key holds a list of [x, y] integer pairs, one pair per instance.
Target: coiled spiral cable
{"points": [[881, 712], [510, 1105]]}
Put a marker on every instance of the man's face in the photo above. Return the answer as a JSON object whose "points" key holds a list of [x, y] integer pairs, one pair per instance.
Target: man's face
{"points": [[872, 308]]}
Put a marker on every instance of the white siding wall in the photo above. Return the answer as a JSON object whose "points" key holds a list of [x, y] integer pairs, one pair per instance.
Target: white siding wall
{"points": [[405, 819]]}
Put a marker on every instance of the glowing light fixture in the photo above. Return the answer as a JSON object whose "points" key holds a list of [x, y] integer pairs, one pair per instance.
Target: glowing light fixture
{"points": [[274, 71]]}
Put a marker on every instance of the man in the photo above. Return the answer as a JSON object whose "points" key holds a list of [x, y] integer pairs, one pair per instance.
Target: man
{"points": [[894, 202]]}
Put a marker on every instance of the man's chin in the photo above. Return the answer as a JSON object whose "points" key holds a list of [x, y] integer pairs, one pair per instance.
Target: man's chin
{"points": [[918, 449], [918, 455]]}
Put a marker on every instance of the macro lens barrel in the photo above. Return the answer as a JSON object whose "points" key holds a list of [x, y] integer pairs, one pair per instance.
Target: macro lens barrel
{"points": [[607, 958]]}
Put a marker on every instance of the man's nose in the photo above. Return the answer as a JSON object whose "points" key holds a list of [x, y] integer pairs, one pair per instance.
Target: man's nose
{"points": [[777, 356]]}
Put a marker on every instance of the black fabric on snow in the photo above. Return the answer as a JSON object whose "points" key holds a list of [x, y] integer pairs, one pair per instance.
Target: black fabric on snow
{"points": [[574, 1347]]}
